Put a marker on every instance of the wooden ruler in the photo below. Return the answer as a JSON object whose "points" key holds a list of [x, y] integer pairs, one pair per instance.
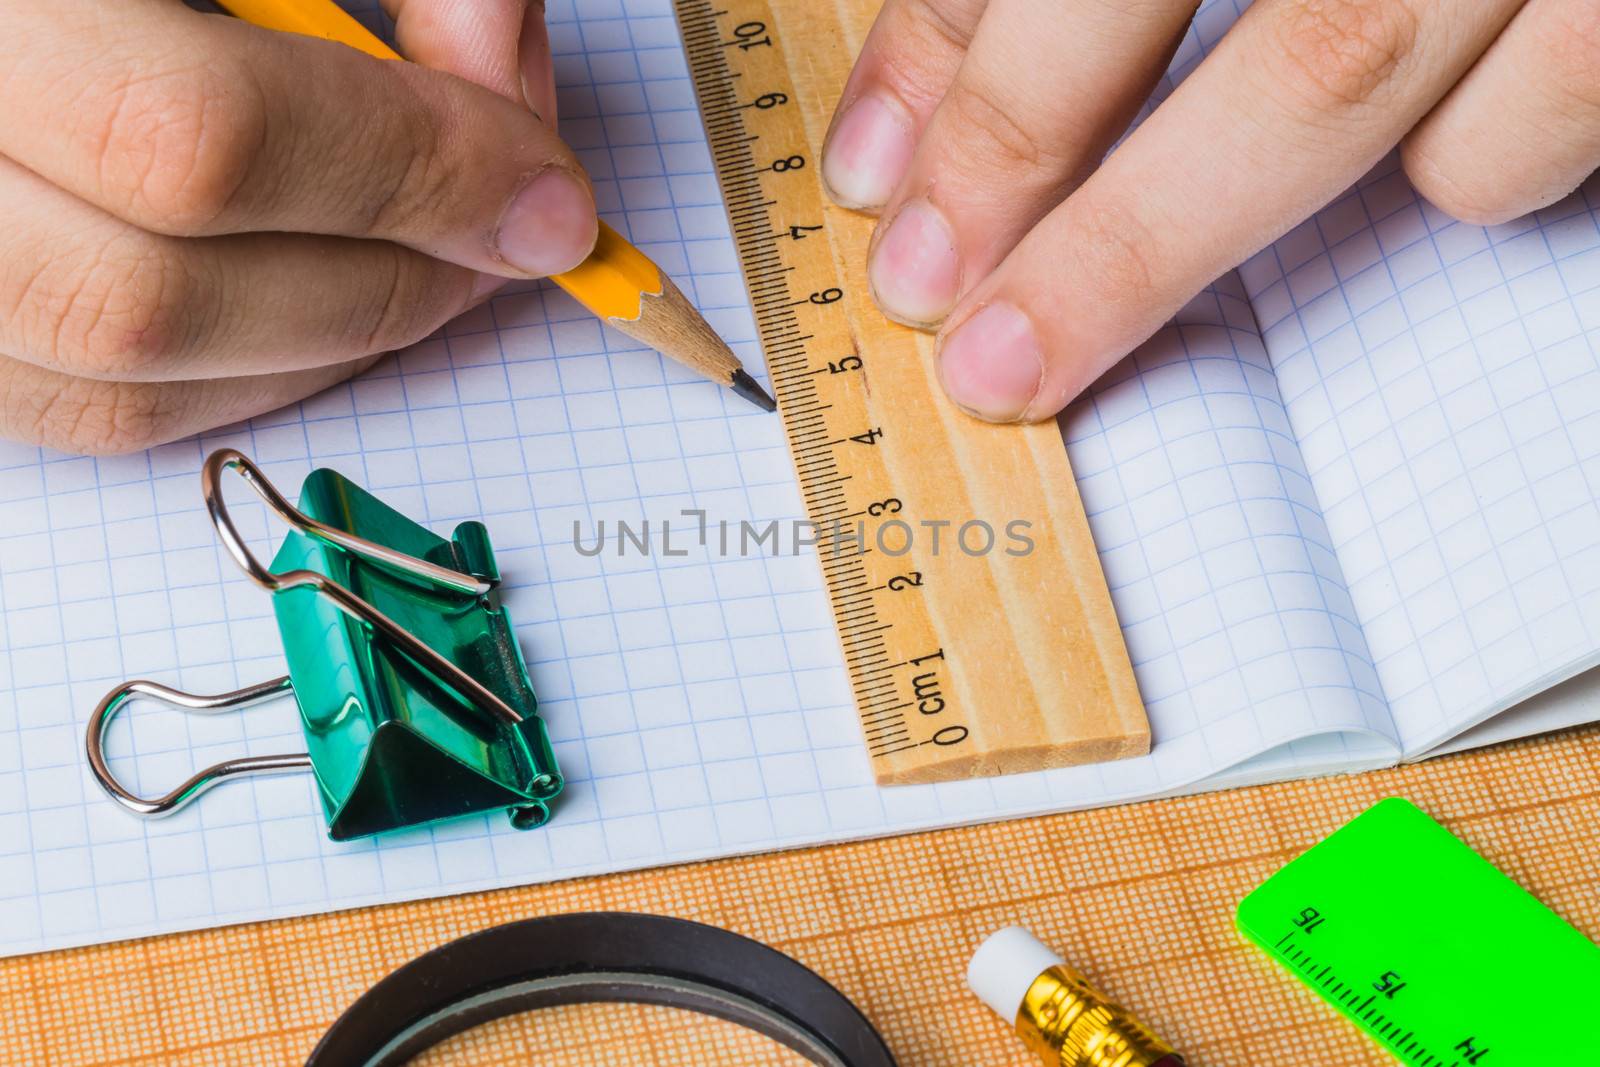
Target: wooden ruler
{"points": [[968, 597]]}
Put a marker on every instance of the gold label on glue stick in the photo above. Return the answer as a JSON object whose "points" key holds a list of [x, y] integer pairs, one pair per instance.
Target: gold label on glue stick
{"points": [[1070, 1024]]}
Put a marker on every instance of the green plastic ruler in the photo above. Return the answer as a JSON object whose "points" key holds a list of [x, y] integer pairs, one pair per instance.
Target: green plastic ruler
{"points": [[1418, 940]]}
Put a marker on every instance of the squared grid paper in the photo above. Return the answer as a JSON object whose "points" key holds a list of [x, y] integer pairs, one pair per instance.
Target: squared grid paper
{"points": [[1226, 585], [697, 703], [1443, 381]]}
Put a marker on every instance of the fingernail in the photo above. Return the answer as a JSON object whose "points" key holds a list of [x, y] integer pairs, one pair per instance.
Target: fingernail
{"points": [[870, 149], [535, 66], [991, 364], [550, 226], [915, 272]]}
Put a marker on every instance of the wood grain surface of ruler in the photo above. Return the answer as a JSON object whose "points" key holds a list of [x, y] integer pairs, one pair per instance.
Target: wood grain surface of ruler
{"points": [[973, 615]]}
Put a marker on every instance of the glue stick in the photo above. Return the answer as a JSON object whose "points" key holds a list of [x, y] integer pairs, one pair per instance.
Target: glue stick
{"points": [[1055, 1010]]}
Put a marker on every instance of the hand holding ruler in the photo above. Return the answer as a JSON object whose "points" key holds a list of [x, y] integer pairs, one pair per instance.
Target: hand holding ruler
{"points": [[969, 652]]}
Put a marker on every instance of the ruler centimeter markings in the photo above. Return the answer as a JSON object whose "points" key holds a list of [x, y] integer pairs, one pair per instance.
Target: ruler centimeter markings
{"points": [[1370, 993], [1362, 1000], [815, 368], [875, 473]]}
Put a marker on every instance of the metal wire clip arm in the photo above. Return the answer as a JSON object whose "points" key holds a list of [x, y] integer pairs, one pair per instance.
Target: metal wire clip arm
{"points": [[203, 780]]}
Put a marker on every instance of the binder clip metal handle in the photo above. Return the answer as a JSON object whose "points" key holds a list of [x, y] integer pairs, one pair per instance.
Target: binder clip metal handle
{"points": [[226, 459], [202, 780], [467, 687]]}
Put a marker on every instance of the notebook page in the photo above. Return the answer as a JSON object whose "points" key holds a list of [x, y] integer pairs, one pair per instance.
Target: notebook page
{"points": [[1226, 585], [697, 702], [1443, 381]]}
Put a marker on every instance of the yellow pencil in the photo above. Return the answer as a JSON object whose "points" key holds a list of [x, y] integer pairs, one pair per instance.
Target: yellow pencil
{"points": [[617, 282]]}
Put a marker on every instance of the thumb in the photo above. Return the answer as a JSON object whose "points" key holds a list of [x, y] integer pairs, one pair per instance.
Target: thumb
{"points": [[499, 44]]}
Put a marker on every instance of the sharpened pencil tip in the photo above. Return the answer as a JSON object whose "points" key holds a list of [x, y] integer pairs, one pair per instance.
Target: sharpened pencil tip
{"points": [[748, 388]]}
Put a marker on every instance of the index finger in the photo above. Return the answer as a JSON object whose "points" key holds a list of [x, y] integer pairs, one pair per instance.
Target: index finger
{"points": [[1299, 100], [271, 131], [906, 63]]}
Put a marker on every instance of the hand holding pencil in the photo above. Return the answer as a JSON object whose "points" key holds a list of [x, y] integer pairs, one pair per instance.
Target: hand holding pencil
{"points": [[188, 243], [615, 281]]}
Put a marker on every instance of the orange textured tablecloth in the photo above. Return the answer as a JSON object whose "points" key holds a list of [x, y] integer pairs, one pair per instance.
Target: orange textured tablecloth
{"points": [[1140, 897]]}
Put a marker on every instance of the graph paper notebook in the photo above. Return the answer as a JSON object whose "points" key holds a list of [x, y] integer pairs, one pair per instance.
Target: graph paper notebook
{"points": [[1346, 504]]}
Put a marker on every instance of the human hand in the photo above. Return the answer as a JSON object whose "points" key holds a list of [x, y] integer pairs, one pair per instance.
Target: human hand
{"points": [[978, 127], [201, 220]]}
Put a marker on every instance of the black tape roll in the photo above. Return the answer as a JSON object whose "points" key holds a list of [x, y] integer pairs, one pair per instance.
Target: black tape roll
{"points": [[599, 956]]}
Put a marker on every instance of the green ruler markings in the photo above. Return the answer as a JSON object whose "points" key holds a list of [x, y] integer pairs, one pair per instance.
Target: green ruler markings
{"points": [[1427, 947]]}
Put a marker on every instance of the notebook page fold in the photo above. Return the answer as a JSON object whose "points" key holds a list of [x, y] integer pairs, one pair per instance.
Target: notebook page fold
{"points": [[1231, 600], [1443, 381]]}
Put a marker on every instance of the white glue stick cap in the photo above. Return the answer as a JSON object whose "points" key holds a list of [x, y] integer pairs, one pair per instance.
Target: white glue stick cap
{"points": [[1005, 966]]}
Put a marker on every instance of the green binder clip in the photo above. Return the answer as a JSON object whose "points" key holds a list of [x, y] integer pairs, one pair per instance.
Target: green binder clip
{"points": [[412, 691]]}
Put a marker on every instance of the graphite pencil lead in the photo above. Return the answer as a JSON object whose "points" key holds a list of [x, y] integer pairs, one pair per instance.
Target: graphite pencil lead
{"points": [[751, 390]]}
